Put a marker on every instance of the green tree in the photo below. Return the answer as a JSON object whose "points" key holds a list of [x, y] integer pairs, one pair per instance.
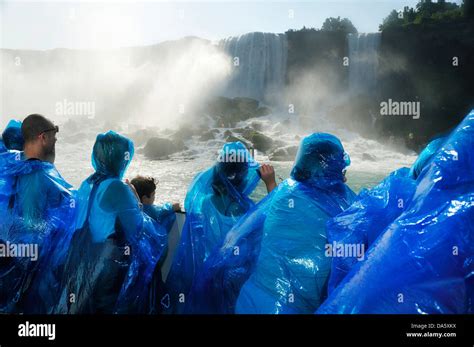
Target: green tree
{"points": [[426, 11], [338, 24], [392, 20]]}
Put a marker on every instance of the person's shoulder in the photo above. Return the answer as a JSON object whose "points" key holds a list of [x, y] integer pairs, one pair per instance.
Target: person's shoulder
{"points": [[294, 194], [37, 168], [51, 177], [152, 211], [116, 186], [116, 195], [288, 187], [52, 171]]}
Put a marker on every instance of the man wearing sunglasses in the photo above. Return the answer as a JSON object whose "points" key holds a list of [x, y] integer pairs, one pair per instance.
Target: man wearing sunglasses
{"points": [[40, 138], [37, 207]]}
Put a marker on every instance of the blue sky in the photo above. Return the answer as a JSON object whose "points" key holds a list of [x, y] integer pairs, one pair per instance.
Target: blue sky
{"points": [[106, 24]]}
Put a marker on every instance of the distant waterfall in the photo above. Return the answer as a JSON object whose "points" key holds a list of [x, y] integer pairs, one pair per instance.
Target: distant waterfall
{"points": [[259, 62], [363, 61]]}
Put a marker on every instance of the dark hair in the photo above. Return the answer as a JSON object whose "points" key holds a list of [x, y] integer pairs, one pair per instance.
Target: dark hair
{"points": [[145, 186], [33, 125]]}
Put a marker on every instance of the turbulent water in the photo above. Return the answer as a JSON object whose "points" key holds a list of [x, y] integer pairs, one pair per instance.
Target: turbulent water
{"points": [[371, 160]]}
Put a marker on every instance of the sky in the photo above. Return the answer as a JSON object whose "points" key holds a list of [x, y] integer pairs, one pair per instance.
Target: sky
{"points": [[108, 24]]}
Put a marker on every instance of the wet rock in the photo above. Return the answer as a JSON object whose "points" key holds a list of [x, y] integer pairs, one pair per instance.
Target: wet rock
{"points": [[233, 138], [141, 136], [369, 157], [209, 135], [228, 112], [160, 148], [287, 153], [185, 133], [262, 111], [256, 126], [259, 141]]}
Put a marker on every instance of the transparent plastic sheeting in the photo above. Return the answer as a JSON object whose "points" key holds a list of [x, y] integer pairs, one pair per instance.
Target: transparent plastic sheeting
{"points": [[37, 208], [423, 261], [163, 214], [217, 198], [116, 246], [276, 251], [12, 138], [355, 229]]}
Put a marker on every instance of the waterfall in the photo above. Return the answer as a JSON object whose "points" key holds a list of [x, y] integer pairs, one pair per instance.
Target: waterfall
{"points": [[363, 61], [259, 62]]}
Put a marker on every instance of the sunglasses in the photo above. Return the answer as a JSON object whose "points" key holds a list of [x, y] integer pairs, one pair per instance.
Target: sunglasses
{"points": [[55, 129]]}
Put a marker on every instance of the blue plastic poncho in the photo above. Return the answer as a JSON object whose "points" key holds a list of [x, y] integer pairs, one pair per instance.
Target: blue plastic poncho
{"points": [[425, 156], [216, 200], [353, 231], [360, 225], [115, 246], [163, 214], [12, 138], [37, 209], [291, 272], [423, 262], [225, 271]]}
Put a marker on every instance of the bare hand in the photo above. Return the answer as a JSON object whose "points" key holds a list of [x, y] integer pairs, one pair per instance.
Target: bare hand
{"points": [[176, 207], [267, 173]]}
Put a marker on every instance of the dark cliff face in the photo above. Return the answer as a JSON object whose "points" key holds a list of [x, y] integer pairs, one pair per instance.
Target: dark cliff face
{"points": [[310, 48], [319, 53], [417, 63], [432, 64]]}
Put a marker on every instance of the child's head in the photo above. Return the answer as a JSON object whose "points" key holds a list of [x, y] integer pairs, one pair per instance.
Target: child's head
{"points": [[145, 187]]}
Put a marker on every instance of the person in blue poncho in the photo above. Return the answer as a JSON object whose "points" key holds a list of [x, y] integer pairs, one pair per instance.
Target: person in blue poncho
{"points": [[361, 224], [12, 138], [146, 190], [37, 207], [216, 200], [116, 246], [165, 215], [422, 262], [290, 275]]}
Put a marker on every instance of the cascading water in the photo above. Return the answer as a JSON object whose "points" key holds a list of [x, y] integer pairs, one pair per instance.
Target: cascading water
{"points": [[363, 61], [259, 62]]}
